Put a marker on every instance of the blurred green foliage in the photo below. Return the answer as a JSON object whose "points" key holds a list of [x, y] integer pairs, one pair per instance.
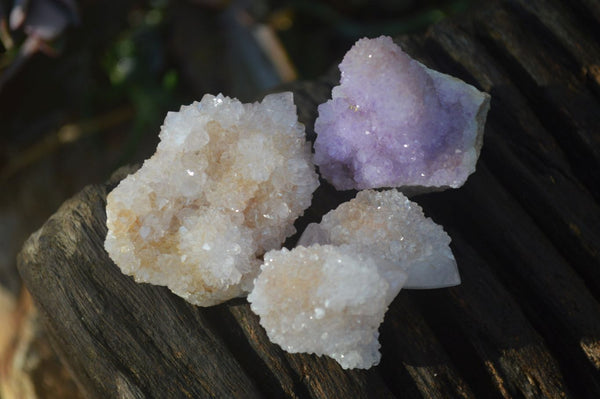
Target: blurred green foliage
{"points": [[135, 64]]}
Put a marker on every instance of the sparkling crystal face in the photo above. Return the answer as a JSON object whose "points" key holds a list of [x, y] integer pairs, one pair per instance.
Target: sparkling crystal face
{"points": [[392, 122], [225, 185]]}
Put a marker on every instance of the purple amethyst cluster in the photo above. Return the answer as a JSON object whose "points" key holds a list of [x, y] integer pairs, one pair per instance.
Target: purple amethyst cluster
{"points": [[392, 122]]}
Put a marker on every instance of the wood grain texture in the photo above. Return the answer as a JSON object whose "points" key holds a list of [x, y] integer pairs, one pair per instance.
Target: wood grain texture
{"points": [[525, 323]]}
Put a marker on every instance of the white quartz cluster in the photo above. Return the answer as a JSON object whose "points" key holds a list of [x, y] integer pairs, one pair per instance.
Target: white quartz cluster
{"points": [[326, 299], [225, 185], [329, 294]]}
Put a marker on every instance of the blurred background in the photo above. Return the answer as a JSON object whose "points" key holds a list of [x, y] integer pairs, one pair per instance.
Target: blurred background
{"points": [[85, 85]]}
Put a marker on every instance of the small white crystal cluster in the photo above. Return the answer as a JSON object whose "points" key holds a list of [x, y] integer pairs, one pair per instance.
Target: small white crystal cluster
{"points": [[329, 295], [226, 184], [325, 299], [389, 225]]}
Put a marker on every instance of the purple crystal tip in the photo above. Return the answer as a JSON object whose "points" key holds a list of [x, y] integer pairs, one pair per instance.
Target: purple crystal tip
{"points": [[392, 122]]}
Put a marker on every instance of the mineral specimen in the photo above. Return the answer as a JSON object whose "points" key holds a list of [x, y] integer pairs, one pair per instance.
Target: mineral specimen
{"points": [[330, 293], [388, 225], [225, 185], [326, 300], [392, 122]]}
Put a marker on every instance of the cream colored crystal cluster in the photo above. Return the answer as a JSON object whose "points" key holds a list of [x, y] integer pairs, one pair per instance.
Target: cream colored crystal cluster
{"points": [[389, 225], [225, 185], [329, 295]]}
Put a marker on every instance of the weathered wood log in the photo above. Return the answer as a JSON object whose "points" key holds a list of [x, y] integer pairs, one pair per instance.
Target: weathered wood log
{"points": [[526, 235]]}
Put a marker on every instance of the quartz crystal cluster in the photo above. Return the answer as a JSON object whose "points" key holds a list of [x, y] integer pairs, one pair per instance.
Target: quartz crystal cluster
{"points": [[329, 294], [327, 300], [392, 122], [389, 225], [225, 185], [228, 180]]}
